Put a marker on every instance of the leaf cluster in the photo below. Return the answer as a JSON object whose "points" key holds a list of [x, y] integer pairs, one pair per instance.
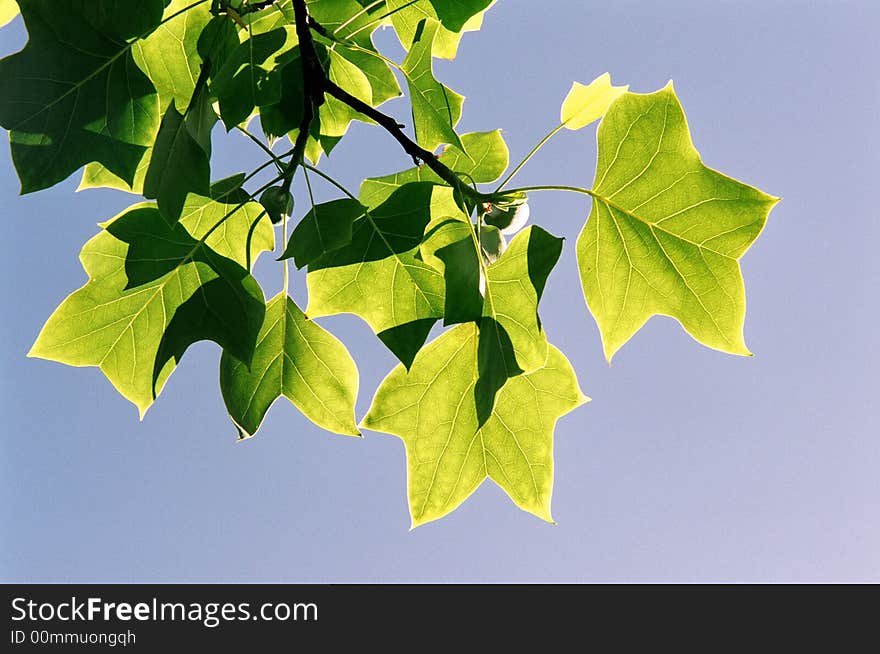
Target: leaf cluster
{"points": [[134, 94]]}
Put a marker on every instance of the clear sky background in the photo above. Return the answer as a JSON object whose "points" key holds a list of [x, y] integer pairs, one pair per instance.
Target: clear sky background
{"points": [[689, 464]]}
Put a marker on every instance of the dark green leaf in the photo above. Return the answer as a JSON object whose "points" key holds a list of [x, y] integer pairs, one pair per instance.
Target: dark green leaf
{"points": [[378, 275], [74, 94], [449, 247], [181, 159], [326, 227], [250, 76]]}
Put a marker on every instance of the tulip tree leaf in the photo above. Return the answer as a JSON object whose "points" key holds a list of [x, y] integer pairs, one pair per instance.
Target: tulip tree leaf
{"points": [[131, 91], [181, 159], [297, 358], [378, 276], [449, 247], [436, 110], [587, 103], [383, 83], [250, 76], [454, 14], [665, 232], [407, 14], [512, 340], [74, 94], [448, 452], [154, 289], [336, 115], [169, 57], [325, 228]]}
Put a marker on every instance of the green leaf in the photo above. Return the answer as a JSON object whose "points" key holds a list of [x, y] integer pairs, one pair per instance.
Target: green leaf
{"points": [[325, 228], [484, 159], [454, 14], [665, 232], [216, 43], [449, 247], [378, 275], [448, 453], [169, 56], [74, 94], [251, 77], [284, 116], [345, 19], [335, 115], [298, 359], [274, 16], [586, 103], [156, 288], [407, 15], [383, 83], [181, 160], [436, 110], [8, 11], [512, 340]]}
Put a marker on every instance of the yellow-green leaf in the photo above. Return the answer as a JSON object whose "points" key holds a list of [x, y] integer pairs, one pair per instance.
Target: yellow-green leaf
{"points": [[436, 109], [586, 103], [665, 232], [156, 288], [297, 358], [448, 452]]}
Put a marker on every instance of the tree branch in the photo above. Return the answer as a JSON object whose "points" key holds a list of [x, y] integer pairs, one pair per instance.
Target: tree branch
{"points": [[315, 78], [313, 88]]}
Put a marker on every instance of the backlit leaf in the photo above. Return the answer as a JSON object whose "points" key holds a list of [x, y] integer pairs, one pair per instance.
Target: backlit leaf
{"points": [[436, 110], [250, 77], [378, 276], [586, 103], [448, 452], [297, 358], [665, 232], [181, 159], [155, 288], [407, 15], [326, 227]]}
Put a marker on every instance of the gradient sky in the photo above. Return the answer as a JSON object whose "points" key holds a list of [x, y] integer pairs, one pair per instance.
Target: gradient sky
{"points": [[689, 464]]}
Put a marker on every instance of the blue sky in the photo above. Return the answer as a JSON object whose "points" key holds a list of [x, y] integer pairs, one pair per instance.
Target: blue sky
{"points": [[689, 465]]}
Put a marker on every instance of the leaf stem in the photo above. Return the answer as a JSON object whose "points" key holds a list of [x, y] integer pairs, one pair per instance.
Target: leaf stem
{"points": [[555, 187], [325, 176], [531, 154], [253, 137], [285, 275], [364, 10], [316, 84], [378, 20]]}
